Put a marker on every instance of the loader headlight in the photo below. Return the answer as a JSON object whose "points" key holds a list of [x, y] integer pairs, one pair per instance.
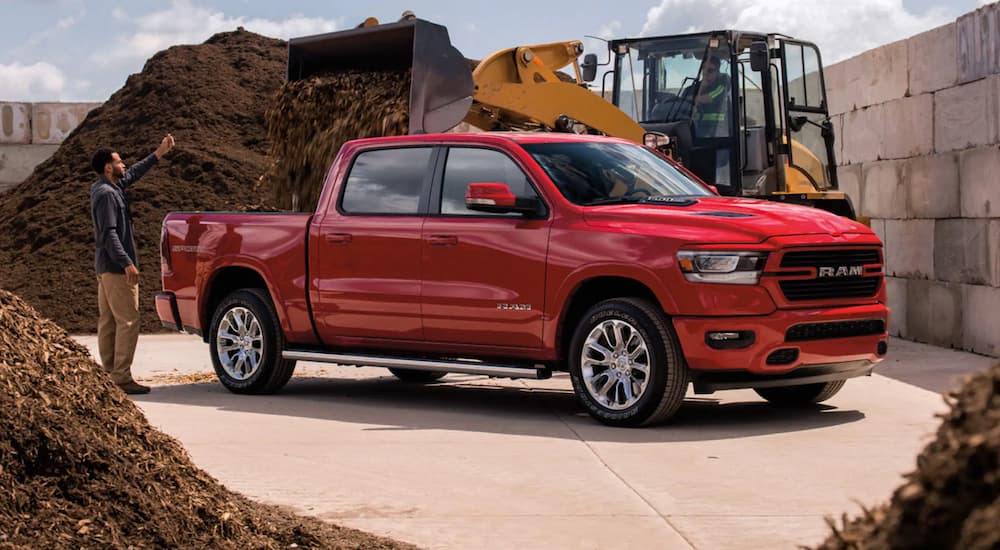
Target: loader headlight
{"points": [[734, 268]]}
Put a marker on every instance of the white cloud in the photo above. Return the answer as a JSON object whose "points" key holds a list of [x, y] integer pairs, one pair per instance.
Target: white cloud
{"points": [[841, 29], [187, 23], [610, 30], [37, 40], [30, 82]]}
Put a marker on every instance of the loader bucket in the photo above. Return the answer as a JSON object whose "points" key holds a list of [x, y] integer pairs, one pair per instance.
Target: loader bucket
{"points": [[440, 78]]}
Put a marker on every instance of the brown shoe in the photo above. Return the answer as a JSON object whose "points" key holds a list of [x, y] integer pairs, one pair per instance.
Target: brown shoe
{"points": [[133, 388]]}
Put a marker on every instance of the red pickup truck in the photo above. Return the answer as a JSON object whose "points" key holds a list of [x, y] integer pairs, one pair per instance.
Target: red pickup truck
{"points": [[521, 254]]}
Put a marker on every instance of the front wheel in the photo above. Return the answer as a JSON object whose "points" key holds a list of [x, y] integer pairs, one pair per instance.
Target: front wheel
{"points": [[626, 365], [800, 396], [246, 342]]}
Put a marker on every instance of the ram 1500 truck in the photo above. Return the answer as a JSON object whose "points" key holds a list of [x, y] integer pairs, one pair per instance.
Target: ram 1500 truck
{"points": [[522, 254]]}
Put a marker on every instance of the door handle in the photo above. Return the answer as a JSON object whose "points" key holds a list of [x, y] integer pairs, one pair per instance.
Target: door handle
{"points": [[338, 238], [442, 240]]}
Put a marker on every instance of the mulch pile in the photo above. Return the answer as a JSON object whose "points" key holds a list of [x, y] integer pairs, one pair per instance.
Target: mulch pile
{"points": [[212, 98], [312, 118], [952, 500], [80, 467]]}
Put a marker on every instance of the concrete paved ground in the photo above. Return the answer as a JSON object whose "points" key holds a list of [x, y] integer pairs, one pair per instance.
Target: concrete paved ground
{"points": [[478, 463]]}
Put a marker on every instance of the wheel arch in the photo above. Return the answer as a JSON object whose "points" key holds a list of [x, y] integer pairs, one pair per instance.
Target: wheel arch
{"points": [[589, 292], [223, 283]]}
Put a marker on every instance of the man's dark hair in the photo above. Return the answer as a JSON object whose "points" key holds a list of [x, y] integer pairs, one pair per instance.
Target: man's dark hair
{"points": [[714, 61], [101, 158]]}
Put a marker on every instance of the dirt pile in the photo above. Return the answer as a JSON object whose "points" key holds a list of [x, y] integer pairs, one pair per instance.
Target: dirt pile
{"points": [[81, 468], [212, 97], [952, 500], [312, 118]]}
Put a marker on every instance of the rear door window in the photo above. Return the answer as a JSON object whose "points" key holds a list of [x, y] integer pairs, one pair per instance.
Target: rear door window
{"points": [[387, 181]]}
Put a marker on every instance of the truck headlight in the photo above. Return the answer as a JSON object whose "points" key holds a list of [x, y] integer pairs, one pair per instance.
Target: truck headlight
{"points": [[734, 268]]}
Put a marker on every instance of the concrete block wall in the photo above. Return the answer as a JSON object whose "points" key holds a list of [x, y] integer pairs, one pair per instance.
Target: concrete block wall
{"points": [[919, 152], [31, 132]]}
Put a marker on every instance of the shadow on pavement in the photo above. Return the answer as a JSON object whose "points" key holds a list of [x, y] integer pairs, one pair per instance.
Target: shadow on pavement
{"points": [[466, 404]]}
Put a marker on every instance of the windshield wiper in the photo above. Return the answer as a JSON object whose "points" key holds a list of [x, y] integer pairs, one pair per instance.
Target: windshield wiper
{"points": [[615, 200], [671, 200]]}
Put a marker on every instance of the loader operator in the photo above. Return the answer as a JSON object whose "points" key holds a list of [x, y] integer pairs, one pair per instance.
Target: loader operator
{"points": [[711, 102]]}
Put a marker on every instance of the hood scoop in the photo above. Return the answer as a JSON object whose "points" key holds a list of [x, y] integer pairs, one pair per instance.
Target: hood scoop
{"points": [[671, 201], [725, 214]]}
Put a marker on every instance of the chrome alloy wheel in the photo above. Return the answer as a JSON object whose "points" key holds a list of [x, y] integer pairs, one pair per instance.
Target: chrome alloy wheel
{"points": [[239, 343], [614, 363]]}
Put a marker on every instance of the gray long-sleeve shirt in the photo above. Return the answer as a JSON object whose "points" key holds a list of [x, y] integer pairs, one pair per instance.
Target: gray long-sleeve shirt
{"points": [[114, 237]]}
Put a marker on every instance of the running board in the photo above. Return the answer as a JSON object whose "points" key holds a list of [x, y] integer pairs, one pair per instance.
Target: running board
{"points": [[463, 367]]}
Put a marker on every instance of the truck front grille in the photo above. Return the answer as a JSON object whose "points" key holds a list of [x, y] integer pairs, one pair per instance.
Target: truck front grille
{"points": [[839, 273], [826, 289], [831, 258]]}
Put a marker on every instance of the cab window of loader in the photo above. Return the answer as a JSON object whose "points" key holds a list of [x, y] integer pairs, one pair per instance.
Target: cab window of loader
{"points": [[805, 87], [677, 79], [386, 181]]}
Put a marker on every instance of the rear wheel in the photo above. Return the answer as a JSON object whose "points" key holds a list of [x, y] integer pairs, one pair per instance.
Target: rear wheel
{"points": [[417, 376], [800, 396], [246, 343], [626, 365]]}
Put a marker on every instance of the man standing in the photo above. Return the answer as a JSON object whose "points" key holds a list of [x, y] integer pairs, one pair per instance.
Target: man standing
{"points": [[117, 263]]}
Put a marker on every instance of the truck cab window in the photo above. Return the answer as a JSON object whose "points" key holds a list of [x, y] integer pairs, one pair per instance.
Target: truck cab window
{"points": [[467, 165], [386, 181]]}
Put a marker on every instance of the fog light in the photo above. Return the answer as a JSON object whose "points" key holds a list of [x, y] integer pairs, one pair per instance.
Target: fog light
{"points": [[882, 348], [729, 339]]}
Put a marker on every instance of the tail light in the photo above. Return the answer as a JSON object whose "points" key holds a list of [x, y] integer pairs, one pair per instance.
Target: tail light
{"points": [[165, 266]]}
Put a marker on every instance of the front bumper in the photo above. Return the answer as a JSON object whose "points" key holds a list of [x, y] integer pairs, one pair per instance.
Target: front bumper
{"points": [[820, 358]]}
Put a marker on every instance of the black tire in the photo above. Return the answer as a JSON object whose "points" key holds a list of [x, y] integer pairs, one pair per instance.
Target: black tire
{"points": [[272, 372], [667, 381], [801, 396], [417, 376]]}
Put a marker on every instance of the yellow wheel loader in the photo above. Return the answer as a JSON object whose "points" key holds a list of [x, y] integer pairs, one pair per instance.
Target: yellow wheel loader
{"points": [[767, 134], [747, 112]]}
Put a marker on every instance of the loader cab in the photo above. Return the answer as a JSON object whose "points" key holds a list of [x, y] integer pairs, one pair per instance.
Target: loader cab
{"points": [[747, 112]]}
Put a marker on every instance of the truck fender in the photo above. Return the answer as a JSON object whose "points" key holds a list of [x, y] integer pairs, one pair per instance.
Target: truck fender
{"points": [[639, 274], [261, 269], [571, 284]]}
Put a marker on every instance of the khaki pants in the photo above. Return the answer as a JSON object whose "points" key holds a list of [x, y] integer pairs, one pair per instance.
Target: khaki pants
{"points": [[118, 325]]}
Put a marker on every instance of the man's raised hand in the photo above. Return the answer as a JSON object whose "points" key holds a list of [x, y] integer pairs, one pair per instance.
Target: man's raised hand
{"points": [[165, 146]]}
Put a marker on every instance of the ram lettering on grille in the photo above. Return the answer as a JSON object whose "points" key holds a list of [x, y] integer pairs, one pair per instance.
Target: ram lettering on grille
{"points": [[842, 271]]}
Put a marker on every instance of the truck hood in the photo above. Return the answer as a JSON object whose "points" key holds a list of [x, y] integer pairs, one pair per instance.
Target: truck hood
{"points": [[722, 219]]}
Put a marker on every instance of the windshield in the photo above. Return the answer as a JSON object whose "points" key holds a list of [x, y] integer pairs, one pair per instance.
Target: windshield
{"points": [[596, 173], [677, 78]]}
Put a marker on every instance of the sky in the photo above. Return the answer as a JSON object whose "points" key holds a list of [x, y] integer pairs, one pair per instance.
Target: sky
{"points": [[83, 50]]}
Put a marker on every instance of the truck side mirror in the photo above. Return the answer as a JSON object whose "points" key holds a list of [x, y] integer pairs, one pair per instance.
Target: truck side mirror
{"points": [[760, 56], [589, 67], [496, 198]]}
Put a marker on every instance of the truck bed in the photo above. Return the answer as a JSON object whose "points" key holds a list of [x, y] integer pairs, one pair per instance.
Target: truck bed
{"points": [[206, 245]]}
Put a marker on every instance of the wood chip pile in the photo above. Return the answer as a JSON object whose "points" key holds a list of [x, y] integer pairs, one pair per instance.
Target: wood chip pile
{"points": [[952, 499], [80, 467], [212, 97], [311, 119]]}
